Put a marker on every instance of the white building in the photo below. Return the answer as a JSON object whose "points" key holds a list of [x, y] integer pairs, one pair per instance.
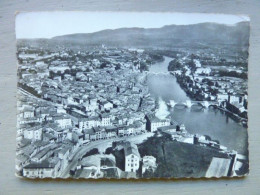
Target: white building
{"points": [[43, 74], [88, 123], [233, 98], [105, 120], [132, 157], [28, 56], [63, 121], [186, 139], [33, 134], [90, 107], [222, 97], [41, 170], [61, 110], [203, 71], [197, 63], [28, 113], [149, 163], [153, 123], [106, 105]]}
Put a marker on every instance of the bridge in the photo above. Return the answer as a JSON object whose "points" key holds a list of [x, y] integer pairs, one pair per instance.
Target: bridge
{"points": [[190, 103], [158, 73]]}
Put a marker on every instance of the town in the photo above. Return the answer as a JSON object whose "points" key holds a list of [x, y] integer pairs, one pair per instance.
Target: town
{"points": [[84, 113]]}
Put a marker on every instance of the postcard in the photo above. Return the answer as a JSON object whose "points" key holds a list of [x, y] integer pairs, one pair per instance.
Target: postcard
{"points": [[132, 95]]}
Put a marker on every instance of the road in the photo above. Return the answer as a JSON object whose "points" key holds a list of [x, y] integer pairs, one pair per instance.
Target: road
{"points": [[26, 93], [101, 145]]}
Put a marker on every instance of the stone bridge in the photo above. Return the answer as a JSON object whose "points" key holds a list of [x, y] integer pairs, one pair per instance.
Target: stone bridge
{"points": [[158, 73], [190, 103]]}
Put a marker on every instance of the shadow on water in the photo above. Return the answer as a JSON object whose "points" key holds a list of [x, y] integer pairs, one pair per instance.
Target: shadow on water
{"points": [[179, 107]]}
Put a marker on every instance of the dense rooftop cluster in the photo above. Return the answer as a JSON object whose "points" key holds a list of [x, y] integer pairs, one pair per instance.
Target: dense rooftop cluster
{"points": [[69, 100]]}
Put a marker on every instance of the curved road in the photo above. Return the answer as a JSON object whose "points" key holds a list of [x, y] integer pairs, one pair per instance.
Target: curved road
{"points": [[101, 145]]}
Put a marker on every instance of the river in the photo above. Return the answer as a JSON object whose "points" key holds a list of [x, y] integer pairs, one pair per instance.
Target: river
{"points": [[211, 122]]}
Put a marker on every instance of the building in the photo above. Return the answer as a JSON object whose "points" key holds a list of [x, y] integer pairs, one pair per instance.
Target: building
{"points": [[63, 121], [222, 97], [28, 113], [121, 131], [43, 154], [153, 123], [130, 130], [186, 139], [206, 71], [233, 98], [170, 129], [237, 108], [132, 157], [100, 133], [34, 133], [149, 164], [88, 123], [105, 120], [111, 132], [219, 167], [90, 106], [41, 170], [105, 105]]}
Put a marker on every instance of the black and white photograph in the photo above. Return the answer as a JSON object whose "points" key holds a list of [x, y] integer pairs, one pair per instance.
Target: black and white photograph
{"points": [[127, 95]]}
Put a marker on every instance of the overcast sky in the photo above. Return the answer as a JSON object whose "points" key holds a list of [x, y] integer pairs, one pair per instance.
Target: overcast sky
{"points": [[50, 24]]}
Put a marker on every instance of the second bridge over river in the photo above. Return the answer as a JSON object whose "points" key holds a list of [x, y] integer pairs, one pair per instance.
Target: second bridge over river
{"points": [[190, 103]]}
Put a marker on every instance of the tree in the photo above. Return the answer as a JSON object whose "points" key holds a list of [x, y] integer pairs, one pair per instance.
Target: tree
{"points": [[91, 152], [103, 65], [143, 66], [174, 65], [148, 174], [118, 66], [192, 65], [242, 75], [109, 150]]}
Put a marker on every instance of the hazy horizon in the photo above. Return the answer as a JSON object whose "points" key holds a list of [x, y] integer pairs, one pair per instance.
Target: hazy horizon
{"points": [[33, 25]]}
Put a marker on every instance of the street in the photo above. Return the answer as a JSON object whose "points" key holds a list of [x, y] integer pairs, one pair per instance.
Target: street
{"points": [[101, 145]]}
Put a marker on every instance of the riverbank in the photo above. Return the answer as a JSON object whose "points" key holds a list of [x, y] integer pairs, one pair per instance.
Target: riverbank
{"points": [[242, 121], [199, 97]]}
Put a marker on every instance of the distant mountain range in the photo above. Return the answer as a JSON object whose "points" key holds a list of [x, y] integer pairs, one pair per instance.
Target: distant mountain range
{"points": [[203, 34]]}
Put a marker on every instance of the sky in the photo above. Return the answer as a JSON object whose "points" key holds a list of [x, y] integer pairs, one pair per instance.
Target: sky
{"points": [[56, 23]]}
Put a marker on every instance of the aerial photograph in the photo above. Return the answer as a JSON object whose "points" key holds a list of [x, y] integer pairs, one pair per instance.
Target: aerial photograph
{"points": [[131, 95]]}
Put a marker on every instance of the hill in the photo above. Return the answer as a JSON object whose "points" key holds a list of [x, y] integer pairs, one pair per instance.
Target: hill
{"points": [[171, 36]]}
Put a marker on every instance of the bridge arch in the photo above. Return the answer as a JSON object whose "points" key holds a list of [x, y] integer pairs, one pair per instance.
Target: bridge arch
{"points": [[198, 104], [190, 103]]}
